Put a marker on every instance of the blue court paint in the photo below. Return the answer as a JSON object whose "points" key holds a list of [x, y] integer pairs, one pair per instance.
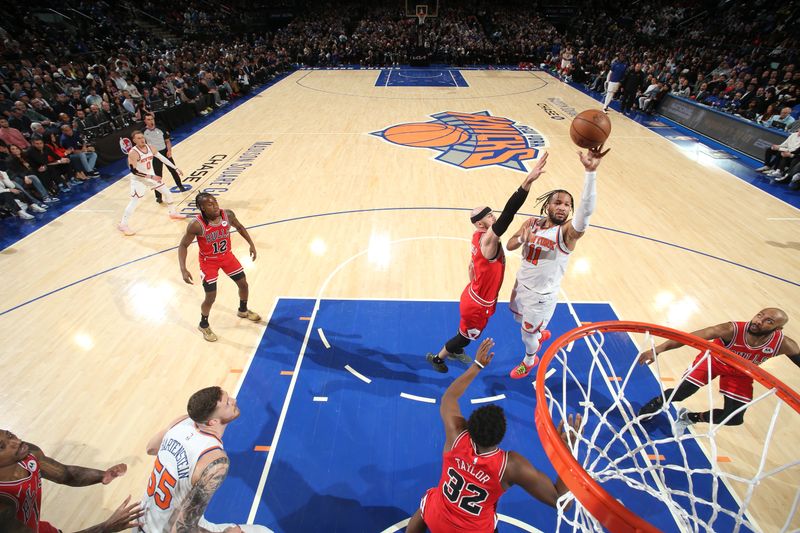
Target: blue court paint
{"points": [[425, 77], [355, 211], [260, 404], [362, 460], [14, 229]]}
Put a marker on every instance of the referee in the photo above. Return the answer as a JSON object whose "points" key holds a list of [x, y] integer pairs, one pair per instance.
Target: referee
{"points": [[160, 141]]}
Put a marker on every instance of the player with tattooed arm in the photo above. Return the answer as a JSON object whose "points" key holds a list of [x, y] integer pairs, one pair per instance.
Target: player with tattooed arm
{"points": [[190, 466]]}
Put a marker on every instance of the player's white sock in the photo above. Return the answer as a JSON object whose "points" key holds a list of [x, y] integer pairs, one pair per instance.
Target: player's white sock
{"points": [[126, 215], [531, 341]]}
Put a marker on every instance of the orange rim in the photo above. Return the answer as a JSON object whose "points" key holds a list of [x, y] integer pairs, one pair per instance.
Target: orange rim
{"points": [[604, 507]]}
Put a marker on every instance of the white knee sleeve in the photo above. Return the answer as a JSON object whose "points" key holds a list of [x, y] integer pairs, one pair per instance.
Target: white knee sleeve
{"points": [[530, 338], [126, 215]]}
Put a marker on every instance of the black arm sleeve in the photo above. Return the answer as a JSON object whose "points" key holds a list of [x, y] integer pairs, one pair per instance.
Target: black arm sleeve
{"points": [[512, 206], [136, 172]]}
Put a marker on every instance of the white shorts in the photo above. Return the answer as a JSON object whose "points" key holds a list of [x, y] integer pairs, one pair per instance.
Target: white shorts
{"points": [[612, 87], [139, 186], [566, 64], [532, 309], [246, 528]]}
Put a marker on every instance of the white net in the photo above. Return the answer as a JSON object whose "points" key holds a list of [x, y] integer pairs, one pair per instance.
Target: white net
{"points": [[677, 476]]}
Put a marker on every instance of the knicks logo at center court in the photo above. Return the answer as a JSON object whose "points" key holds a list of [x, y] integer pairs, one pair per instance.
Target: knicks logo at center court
{"points": [[470, 140]]}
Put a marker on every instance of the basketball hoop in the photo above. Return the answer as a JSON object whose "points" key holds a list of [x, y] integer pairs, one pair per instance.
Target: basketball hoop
{"points": [[422, 14], [616, 457]]}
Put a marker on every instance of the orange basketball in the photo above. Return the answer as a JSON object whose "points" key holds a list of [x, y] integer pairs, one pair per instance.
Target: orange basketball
{"points": [[590, 128], [426, 134]]}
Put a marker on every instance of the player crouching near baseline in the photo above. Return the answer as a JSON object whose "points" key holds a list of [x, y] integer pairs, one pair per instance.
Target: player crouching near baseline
{"points": [[212, 229]]}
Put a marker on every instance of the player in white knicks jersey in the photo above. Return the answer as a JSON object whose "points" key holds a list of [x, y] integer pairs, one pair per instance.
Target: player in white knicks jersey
{"points": [[190, 465], [546, 244], [143, 177]]}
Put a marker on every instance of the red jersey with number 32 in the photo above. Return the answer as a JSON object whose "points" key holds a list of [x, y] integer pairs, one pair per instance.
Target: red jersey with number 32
{"points": [[26, 494], [215, 239], [470, 486], [489, 273]]}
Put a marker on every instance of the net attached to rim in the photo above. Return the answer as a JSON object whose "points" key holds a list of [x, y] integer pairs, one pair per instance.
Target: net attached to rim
{"points": [[629, 473], [422, 14]]}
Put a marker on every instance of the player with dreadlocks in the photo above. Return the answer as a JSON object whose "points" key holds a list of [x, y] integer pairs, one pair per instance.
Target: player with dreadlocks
{"points": [[475, 471], [546, 244], [212, 229]]}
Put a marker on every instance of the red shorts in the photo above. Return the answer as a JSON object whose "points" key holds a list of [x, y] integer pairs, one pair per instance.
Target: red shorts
{"points": [[732, 383], [439, 521], [474, 316], [210, 265], [46, 527]]}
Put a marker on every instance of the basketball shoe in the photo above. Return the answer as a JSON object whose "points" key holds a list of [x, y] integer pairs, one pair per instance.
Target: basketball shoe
{"points": [[522, 370], [249, 315], [682, 421], [462, 357], [126, 230], [439, 367], [208, 335], [647, 411]]}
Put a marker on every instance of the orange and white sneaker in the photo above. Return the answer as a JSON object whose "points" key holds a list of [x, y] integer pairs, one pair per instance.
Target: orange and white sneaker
{"points": [[522, 370], [125, 229], [177, 216]]}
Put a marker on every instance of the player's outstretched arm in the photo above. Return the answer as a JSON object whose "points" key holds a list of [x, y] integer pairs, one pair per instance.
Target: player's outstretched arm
{"points": [[186, 519], [720, 331], [125, 517], [193, 231], [491, 239], [520, 471], [454, 422], [575, 228], [242, 231], [72, 475], [164, 160]]}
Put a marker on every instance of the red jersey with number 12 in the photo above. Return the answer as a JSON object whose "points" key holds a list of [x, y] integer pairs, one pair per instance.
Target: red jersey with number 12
{"points": [[489, 273], [216, 238], [469, 488]]}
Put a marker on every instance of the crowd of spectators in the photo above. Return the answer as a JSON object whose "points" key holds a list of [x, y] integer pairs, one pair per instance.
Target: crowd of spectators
{"points": [[67, 82]]}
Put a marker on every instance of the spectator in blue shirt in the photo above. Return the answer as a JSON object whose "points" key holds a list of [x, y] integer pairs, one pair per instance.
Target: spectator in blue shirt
{"points": [[615, 75], [781, 121], [81, 155]]}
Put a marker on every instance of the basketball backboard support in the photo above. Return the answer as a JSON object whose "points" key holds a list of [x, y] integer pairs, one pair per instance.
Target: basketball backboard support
{"points": [[425, 8]]}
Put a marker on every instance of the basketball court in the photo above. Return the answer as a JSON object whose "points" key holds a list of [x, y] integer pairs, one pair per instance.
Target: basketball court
{"points": [[361, 220]]}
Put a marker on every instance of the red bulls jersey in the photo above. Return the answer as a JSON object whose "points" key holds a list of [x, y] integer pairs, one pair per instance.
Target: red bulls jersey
{"points": [[488, 279], [754, 354], [216, 239], [26, 493], [470, 485]]}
